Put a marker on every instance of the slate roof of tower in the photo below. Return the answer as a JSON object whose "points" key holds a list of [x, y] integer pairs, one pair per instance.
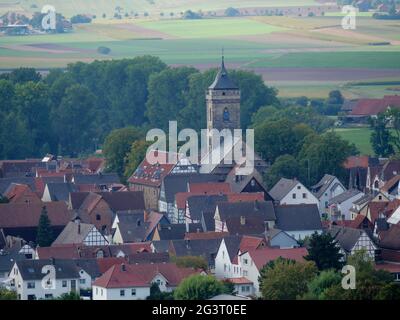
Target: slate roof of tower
{"points": [[222, 80]]}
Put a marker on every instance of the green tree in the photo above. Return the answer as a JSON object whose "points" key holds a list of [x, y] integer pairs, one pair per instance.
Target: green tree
{"points": [[324, 154], [232, 12], [136, 156], [22, 75], [381, 137], [7, 294], [281, 137], [197, 262], [285, 166], [73, 120], [394, 115], [69, 296], [44, 237], [6, 95], [286, 279], [324, 251], [167, 93], [318, 286], [335, 97], [117, 146], [198, 287]]}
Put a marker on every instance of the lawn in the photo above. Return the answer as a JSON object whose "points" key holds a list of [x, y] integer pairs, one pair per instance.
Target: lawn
{"points": [[359, 136]]}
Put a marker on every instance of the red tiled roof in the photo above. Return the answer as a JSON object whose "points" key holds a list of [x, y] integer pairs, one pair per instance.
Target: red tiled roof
{"points": [[245, 197], [211, 188], [14, 215], [262, 256], [389, 184], [21, 193], [152, 174], [391, 267], [356, 223], [65, 251], [356, 161], [250, 243], [369, 107], [241, 280], [107, 263], [386, 208], [141, 275]]}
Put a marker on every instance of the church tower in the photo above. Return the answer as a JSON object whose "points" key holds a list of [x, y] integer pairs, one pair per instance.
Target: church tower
{"points": [[223, 102]]}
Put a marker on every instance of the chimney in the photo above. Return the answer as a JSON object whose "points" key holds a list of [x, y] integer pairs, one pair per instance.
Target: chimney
{"points": [[187, 241], [256, 205], [198, 230], [242, 220], [52, 261], [123, 267], [79, 225]]}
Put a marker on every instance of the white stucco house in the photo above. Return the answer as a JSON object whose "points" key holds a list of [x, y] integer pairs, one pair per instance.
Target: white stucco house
{"points": [[44, 279], [292, 191], [326, 189], [339, 206]]}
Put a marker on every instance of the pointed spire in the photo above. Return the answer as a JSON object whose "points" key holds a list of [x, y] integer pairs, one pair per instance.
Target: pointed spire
{"points": [[222, 81], [223, 70]]}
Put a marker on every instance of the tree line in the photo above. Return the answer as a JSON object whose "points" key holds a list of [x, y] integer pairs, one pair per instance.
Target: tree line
{"points": [[70, 112]]}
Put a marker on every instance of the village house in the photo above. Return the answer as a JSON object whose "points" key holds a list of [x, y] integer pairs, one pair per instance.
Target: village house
{"points": [[292, 191], [339, 206], [351, 240], [244, 218], [30, 283], [133, 282], [80, 233], [251, 262], [21, 193], [298, 221], [326, 189]]}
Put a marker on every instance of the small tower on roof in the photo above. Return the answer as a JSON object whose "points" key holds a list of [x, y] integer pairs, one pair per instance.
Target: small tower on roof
{"points": [[223, 102]]}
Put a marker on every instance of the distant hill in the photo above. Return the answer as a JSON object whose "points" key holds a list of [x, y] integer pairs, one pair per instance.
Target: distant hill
{"points": [[152, 7]]}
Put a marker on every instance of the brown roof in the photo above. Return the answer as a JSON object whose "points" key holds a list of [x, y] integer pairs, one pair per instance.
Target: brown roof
{"points": [[205, 235], [210, 187], [67, 251], [391, 267], [241, 280], [152, 174], [356, 161], [262, 256], [385, 208], [245, 196], [21, 193], [391, 238], [369, 107], [14, 215], [251, 243], [391, 183]]}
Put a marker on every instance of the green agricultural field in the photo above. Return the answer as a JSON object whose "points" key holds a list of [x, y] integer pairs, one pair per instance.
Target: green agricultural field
{"points": [[359, 136], [153, 7], [369, 60], [211, 28]]}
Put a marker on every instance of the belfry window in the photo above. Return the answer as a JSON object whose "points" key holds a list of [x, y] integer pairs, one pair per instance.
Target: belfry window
{"points": [[226, 115]]}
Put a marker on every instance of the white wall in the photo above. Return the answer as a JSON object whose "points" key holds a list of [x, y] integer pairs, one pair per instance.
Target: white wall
{"points": [[328, 194], [100, 293], [345, 206], [224, 268], [298, 191], [250, 271]]}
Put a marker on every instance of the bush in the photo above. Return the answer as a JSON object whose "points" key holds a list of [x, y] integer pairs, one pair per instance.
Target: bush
{"points": [[80, 18], [232, 12], [103, 50]]}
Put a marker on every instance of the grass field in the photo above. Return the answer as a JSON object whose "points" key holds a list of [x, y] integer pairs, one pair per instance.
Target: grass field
{"points": [[98, 7], [300, 56], [359, 136]]}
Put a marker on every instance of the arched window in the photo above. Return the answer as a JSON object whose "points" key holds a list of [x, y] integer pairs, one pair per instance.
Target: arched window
{"points": [[226, 115]]}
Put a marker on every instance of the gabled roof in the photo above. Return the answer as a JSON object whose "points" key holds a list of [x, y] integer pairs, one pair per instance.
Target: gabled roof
{"points": [[346, 237], [320, 188], [369, 107], [176, 183], [209, 187], [346, 196], [205, 248], [60, 191], [245, 197], [19, 193], [390, 239], [298, 217], [261, 257], [177, 231], [207, 203], [74, 232], [6, 182], [32, 269], [152, 174], [18, 215], [205, 235], [222, 80], [262, 209], [141, 275], [282, 188], [97, 179], [390, 185]]}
